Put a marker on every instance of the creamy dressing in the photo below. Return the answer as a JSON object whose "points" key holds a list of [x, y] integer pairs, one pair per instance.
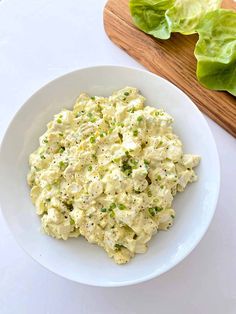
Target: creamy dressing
{"points": [[108, 170]]}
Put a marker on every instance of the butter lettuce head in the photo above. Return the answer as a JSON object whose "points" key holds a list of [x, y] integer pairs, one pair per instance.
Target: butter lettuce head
{"points": [[185, 15], [216, 51], [149, 16], [160, 17]]}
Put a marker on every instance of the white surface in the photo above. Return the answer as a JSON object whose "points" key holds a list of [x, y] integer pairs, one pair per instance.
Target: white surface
{"points": [[76, 259], [40, 40]]}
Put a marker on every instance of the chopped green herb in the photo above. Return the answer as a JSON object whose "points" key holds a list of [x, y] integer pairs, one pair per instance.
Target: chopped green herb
{"points": [[72, 222], [92, 139], [103, 210], [61, 150], [126, 168], [149, 193], [159, 177], [160, 143], [60, 134], [118, 246], [133, 163], [135, 132], [42, 157], [112, 206], [63, 164], [48, 199], [112, 214], [94, 156], [90, 115], [121, 206], [93, 98], [45, 141], [151, 211], [131, 110], [154, 210], [120, 124], [90, 168], [93, 120], [172, 216], [140, 118], [126, 93], [59, 120]]}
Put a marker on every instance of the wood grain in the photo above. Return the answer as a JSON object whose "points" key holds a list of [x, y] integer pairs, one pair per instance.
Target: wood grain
{"points": [[172, 59]]}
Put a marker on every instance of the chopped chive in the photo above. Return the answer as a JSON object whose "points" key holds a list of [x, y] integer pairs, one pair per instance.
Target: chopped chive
{"points": [[126, 93], [90, 115], [90, 168], [135, 132], [92, 139], [63, 164], [93, 98], [172, 216], [140, 118], [61, 150], [159, 177], [112, 206], [151, 211], [103, 210], [118, 246], [45, 141], [59, 120], [72, 222], [112, 214], [42, 157], [60, 134], [121, 206]]}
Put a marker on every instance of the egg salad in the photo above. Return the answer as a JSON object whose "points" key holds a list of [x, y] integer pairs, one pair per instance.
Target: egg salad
{"points": [[108, 170]]}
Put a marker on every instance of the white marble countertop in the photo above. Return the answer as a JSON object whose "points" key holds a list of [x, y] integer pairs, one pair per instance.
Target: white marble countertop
{"points": [[40, 40]]}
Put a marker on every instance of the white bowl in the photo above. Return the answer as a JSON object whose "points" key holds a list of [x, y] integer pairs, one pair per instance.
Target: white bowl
{"points": [[76, 259]]}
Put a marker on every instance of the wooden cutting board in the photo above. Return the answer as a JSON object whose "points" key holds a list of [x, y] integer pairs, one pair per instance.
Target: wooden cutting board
{"points": [[172, 59]]}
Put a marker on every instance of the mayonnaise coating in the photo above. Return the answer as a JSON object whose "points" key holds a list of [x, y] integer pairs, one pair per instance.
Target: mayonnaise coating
{"points": [[108, 170]]}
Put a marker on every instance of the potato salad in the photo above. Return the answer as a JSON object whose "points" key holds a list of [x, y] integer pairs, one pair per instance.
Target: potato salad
{"points": [[108, 170]]}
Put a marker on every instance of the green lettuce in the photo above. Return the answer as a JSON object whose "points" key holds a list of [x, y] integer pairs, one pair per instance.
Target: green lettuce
{"points": [[149, 16], [216, 51], [184, 15], [161, 17]]}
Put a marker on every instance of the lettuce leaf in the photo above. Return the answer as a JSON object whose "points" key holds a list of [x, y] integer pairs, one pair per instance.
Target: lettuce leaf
{"points": [[161, 17], [185, 15], [216, 51], [149, 16]]}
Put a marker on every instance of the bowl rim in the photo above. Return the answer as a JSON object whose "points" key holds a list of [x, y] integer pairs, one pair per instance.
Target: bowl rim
{"points": [[217, 179]]}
